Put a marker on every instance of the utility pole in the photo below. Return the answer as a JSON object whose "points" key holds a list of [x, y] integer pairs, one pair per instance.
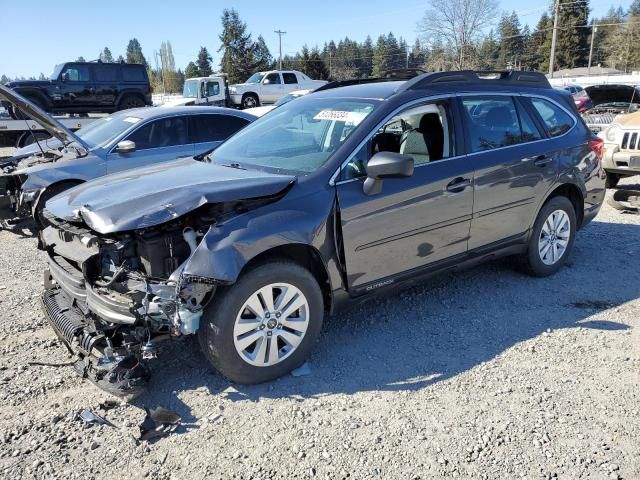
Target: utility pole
{"points": [[280, 33], [553, 37], [594, 29]]}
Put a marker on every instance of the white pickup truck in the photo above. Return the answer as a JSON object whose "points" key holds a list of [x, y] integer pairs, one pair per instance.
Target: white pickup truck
{"points": [[263, 88]]}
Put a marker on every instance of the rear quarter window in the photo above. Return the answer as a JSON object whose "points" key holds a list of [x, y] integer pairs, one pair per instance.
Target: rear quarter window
{"points": [[134, 74], [555, 119]]}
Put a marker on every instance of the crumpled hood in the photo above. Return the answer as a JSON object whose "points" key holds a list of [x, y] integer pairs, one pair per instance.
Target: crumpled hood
{"points": [[148, 196]]}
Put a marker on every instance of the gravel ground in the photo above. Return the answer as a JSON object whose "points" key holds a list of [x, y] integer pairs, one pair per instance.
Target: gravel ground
{"points": [[481, 374]]}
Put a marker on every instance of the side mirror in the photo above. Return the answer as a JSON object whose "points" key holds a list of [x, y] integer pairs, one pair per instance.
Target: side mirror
{"points": [[126, 146], [65, 76], [266, 81], [386, 165]]}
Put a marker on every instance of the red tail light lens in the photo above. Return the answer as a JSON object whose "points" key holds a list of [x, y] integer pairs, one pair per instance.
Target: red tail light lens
{"points": [[597, 146]]}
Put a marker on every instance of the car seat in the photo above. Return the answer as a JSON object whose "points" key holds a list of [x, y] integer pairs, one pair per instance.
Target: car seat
{"points": [[425, 143]]}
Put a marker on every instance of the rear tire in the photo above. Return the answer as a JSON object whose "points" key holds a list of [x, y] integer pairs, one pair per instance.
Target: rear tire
{"points": [[611, 180], [130, 101], [239, 342], [552, 238]]}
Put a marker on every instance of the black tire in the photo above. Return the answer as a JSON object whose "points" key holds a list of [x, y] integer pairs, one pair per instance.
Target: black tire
{"points": [[611, 180], [530, 261], [216, 327], [17, 114], [130, 101], [48, 194], [28, 139], [250, 100]]}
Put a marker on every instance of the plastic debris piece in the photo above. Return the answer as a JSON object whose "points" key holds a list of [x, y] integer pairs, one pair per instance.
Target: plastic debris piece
{"points": [[89, 418], [158, 422]]}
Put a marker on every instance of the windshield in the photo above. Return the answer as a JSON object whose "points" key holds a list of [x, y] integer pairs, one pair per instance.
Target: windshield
{"points": [[298, 137], [255, 78], [103, 131], [190, 89], [56, 71]]}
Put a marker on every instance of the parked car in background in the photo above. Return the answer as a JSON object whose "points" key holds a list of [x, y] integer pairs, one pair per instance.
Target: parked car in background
{"points": [[86, 87], [260, 111], [608, 102], [118, 142], [212, 90], [263, 88], [621, 148], [328, 199], [574, 89]]}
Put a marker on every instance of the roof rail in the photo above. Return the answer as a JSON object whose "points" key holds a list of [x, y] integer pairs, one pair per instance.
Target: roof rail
{"points": [[514, 77], [388, 76]]}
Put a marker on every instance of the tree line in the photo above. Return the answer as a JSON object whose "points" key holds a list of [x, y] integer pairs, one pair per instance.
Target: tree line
{"points": [[454, 34]]}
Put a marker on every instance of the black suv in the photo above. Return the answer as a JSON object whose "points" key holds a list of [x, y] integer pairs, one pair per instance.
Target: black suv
{"points": [[328, 199], [84, 87]]}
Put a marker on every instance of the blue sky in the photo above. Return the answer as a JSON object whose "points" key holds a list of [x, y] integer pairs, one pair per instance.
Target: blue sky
{"points": [[47, 32]]}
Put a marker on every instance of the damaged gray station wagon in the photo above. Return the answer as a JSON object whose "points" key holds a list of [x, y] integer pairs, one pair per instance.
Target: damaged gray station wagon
{"points": [[327, 199]]}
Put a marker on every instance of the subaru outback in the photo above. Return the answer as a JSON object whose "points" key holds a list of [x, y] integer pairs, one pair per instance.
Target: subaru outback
{"points": [[329, 199]]}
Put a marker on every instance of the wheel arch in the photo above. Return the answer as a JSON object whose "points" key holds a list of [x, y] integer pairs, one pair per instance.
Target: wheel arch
{"points": [[301, 254], [70, 182], [253, 94], [574, 194], [130, 92], [37, 95]]}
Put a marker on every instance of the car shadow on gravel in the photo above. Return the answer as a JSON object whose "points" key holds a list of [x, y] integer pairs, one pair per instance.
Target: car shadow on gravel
{"points": [[430, 333]]}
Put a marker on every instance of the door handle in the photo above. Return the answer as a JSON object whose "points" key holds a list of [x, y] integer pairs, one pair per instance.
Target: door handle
{"points": [[458, 184], [542, 161]]}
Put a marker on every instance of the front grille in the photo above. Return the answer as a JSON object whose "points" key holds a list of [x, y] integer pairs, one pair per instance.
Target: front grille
{"points": [[630, 141]]}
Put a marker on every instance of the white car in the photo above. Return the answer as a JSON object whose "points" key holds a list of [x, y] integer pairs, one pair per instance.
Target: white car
{"points": [[264, 88]]}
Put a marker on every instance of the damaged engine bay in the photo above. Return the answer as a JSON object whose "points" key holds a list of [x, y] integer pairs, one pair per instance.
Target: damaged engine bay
{"points": [[127, 291]]}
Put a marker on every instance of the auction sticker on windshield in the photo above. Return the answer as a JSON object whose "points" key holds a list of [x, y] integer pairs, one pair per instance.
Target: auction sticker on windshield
{"points": [[341, 116]]}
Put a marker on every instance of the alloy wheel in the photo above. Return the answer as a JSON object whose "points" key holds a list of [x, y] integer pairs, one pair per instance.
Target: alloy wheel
{"points": [[271, 324], [554, 237]]}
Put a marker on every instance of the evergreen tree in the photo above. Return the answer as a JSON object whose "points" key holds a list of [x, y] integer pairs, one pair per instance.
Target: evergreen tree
{"points": [[4, 79], [120, 59], [489, 53], [511, 46], [80, 59], [366, 52], [380, 59], [204, 63], [105, 56], [134, 52], [191, 71], [42, 77], [317, 69], [572, 44], [241, 56], [538, 46]]}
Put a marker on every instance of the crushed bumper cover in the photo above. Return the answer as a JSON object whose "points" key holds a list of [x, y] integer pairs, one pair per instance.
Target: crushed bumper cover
{"points": [[122, 376]]}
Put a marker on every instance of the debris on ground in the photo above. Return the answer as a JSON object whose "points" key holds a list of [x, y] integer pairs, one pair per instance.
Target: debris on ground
{"points": [[89, 418], [158, 422]]}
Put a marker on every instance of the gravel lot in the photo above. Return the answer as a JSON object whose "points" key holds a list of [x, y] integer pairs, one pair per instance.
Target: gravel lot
{"points": [[482, 374]]}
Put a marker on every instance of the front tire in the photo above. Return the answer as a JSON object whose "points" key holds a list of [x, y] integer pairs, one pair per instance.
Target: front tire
{"points": [[264, 325], [250, 100], [611, 180], [552, 238]]}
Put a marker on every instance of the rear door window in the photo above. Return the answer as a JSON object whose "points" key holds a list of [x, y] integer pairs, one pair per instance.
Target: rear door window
{"points": [[555, 119], [495, 121], [133, 74], [289, 78], [105, 73], [212, 128], [164, 132]]}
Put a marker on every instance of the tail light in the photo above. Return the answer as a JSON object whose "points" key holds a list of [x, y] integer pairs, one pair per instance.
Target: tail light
{"points": [[597, 146]]}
